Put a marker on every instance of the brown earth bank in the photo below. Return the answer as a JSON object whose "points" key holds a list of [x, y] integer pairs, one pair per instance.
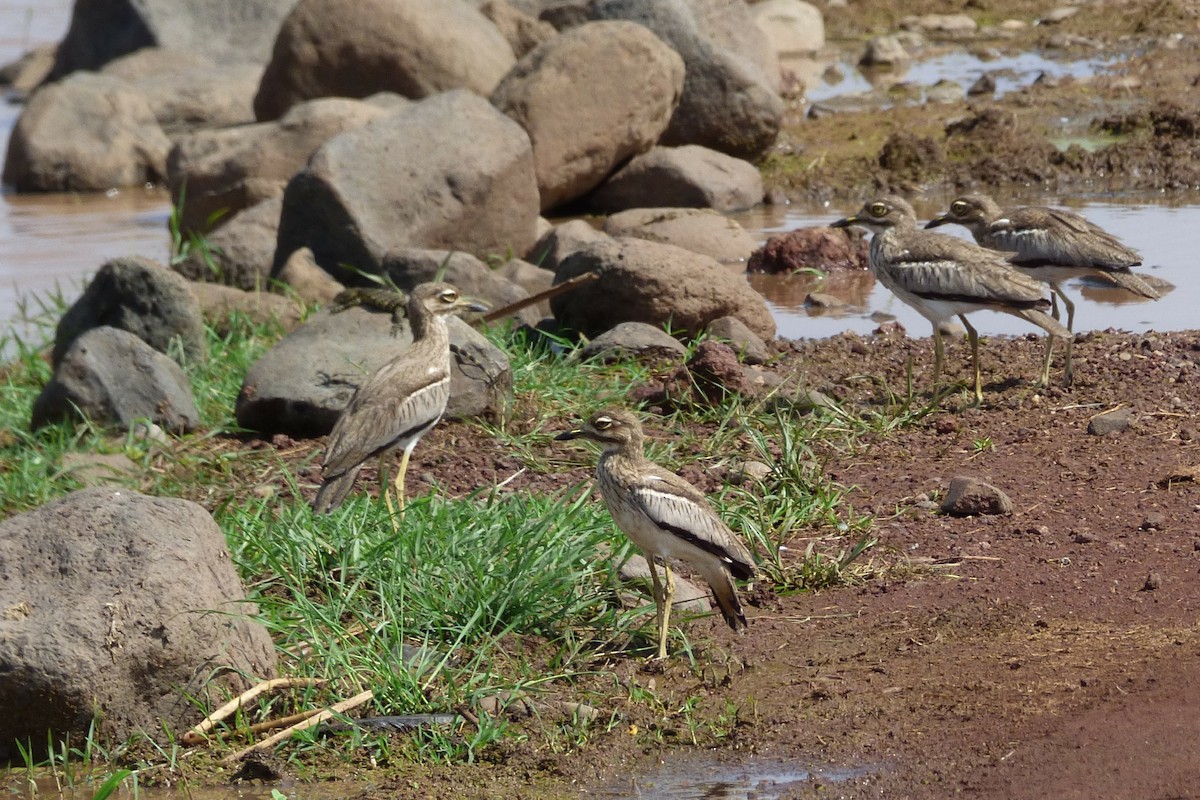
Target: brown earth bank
{"points": [[1143, 108], [1053, 652]]}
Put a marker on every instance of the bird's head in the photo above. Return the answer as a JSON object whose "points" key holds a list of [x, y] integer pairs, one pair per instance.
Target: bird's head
{"points": [[969, 210], [612, 428], [880, 213], [440, 300]]}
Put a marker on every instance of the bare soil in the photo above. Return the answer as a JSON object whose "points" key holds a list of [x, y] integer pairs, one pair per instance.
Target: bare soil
{"points": [[1051, 653]]}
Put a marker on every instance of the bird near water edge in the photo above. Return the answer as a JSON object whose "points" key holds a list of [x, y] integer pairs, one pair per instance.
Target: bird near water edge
{"points": [[944, 276], [666, 517], [1051, 245], [397, 404]]}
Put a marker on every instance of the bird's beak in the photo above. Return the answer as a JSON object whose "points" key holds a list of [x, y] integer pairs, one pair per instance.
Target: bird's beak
{"points": [[568, 435], [936, 221], [475, 306], [844, 223]]}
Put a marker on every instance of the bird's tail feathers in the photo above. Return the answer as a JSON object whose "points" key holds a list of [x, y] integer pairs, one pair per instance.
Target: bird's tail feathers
{"points": [[334, 490], [725, 593]]}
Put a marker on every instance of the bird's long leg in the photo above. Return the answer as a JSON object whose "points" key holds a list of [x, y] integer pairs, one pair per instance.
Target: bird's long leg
{"points": [[1068, 369], [937, 352], [668, 599], [400, 479], [973, 335], [657, 588], [1070, 306], [1054, 304], [1044, 378], [385, 485]]}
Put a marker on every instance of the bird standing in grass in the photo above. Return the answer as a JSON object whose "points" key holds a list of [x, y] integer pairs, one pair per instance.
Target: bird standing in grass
{"points": [[1051, 245], [397, 404], [666, 517], [943, 276]]}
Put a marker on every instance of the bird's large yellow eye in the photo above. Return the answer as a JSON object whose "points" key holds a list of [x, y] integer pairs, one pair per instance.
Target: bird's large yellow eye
{"points": [[959, 208], [878, 209], [602, 423], [448, 296]]}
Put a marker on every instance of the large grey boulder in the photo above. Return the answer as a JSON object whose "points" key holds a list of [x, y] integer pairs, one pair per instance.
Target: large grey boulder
{"points": [[658, 284], [301, 385], [139, 296], [223, 305], [700, 230], [579, 136], [217, 173], [732, 26], [728, 104], [188, 91], [240, 252], [561, 241], [635, 340], [448, 173], [227, 31], [87, 133], [119, 608], [354, 48], [793, 27], [111, 377], [681, 177]]}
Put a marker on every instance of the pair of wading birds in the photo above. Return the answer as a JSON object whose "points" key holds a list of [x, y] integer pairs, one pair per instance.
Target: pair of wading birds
{"points": [[664, 515]]}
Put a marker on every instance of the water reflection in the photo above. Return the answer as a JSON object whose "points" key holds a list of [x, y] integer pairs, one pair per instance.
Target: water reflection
{"points": [[1166, 235], [687, 777], [1011, 72]]}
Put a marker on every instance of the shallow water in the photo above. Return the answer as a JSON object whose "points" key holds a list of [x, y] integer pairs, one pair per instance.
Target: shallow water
{"points": [[1010, 72], [686, 776], [56, 240], [1166, 234]]}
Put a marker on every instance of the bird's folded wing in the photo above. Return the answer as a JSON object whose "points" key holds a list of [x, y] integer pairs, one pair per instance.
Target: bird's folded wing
{"points": [[679, 508], [976, 274], [375, 421]]}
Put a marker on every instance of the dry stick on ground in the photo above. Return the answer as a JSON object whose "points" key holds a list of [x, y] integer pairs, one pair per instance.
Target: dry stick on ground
{"points": [[553, 291], [196, 735], [316, 719]]}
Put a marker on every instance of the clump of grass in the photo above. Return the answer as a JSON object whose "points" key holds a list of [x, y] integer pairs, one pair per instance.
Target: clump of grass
{"points": [[433, 618]]}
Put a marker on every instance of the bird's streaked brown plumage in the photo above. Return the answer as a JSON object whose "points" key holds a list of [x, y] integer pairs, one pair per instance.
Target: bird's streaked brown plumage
{"points": [[943, 276], [1052, 245], [398, 403], [666, 517]]}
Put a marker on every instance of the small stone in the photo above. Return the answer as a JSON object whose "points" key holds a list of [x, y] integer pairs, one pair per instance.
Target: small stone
{"points": [[1153, 582], [1111, 422], [1083, 537], [985, 84], [749, 471], [1057, 15], [1154, 521], [945, 425], [970, 497]]}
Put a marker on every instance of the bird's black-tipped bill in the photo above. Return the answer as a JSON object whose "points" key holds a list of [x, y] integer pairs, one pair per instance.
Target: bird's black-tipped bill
{"points": [[844, 223], [476, 306], [568, 435], [935, 222]]}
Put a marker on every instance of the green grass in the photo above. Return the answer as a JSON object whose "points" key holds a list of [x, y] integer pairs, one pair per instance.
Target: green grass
{"points": [[481, 596], [436, 617]]}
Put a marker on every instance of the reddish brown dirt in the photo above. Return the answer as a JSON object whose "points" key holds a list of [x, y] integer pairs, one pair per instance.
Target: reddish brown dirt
{"points": [[1051, 653]]}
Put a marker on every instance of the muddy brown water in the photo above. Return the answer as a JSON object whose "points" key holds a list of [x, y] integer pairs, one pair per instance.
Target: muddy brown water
{"points": [[1166, 233]]}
